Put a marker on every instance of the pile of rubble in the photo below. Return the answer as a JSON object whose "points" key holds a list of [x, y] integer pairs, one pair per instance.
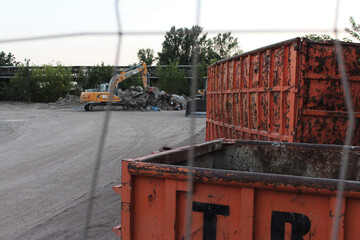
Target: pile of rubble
{"points": [[136, 98], [69, 100]]}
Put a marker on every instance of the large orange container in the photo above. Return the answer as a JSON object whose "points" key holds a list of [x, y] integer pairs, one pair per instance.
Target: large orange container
{"points": [[243, 189], [290, 91]]}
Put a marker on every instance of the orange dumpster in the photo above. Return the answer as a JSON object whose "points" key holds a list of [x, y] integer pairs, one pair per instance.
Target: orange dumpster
{"points": [[243, 189], [289, 92]]}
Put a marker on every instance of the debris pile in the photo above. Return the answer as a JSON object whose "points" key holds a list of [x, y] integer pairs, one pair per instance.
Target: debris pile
{"points": [[69, 100], [136, 98]]}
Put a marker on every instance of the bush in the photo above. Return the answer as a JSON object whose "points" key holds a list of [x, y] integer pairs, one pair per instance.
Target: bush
{"points": [[5, 89], [99, 74], [81, 78], [18, 88], [48, 83], [7, 59], [172, 79], [202, 75]]}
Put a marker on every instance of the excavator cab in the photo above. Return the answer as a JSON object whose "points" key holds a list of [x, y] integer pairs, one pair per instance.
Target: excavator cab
{"points": [[104, 87]]}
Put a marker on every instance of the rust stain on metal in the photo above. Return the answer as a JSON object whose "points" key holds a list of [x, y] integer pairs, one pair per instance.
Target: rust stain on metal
{"points": [[125, 206]]}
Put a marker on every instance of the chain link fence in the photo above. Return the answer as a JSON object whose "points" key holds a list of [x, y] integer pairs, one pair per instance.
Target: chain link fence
{"points": [[143, 34]]}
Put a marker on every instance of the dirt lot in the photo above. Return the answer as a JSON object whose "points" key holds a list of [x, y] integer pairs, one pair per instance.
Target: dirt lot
{"points": [[47, 156]]}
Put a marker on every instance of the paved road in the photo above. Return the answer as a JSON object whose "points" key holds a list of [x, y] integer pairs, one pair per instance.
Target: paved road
{"points": [[46, 163]]}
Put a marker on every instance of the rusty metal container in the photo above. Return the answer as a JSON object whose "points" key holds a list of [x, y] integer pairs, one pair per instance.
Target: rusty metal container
{"points": [[290, 92], [243, 189]]}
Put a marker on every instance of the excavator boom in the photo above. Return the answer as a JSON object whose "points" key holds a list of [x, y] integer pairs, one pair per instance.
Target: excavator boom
{"points": [[128, 73]]}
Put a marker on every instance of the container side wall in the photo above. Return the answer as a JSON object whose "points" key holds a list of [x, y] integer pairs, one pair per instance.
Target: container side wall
{"points": [[351, 226], [290, 92], [126, 200], [221, 211], [323, 117], [255, 94]]}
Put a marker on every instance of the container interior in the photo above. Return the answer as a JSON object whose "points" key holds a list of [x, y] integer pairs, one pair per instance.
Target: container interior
{"points": [[308, 160]]}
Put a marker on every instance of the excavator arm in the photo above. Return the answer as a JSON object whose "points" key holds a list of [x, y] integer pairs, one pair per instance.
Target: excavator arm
{"points": [[118, 78]]}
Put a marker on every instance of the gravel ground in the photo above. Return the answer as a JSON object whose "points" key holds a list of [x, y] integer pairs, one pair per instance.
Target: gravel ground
{"points": [[47, 155]]}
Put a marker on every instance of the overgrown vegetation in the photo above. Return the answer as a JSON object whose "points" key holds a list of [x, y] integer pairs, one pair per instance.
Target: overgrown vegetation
{"points": [[7, 59], [353, 31], [98, 74], [318, 37], [48, 83], [18, 89], [146, 55], [172, 79], [40, 84], [180, 45], [220, 47]]}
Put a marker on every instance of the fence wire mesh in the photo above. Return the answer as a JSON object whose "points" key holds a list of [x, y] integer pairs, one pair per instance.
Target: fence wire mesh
{"points": [[349, 133], [120, 34]]}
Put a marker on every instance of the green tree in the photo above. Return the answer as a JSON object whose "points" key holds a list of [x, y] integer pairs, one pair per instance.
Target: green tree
{"points": [[7, 59], [179, 45], [172, 79], [48, 83], [202, 74], [16, 89], [146, 55], [355, 29], [99, 74], [318, 37], [81, 77], [220, 47]]}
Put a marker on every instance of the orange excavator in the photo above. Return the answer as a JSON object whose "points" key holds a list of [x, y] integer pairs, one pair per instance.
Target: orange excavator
{"points": [[106, 91]]}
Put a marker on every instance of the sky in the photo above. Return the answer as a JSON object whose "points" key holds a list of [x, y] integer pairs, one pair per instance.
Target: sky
{"points": [[251, 21]]}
